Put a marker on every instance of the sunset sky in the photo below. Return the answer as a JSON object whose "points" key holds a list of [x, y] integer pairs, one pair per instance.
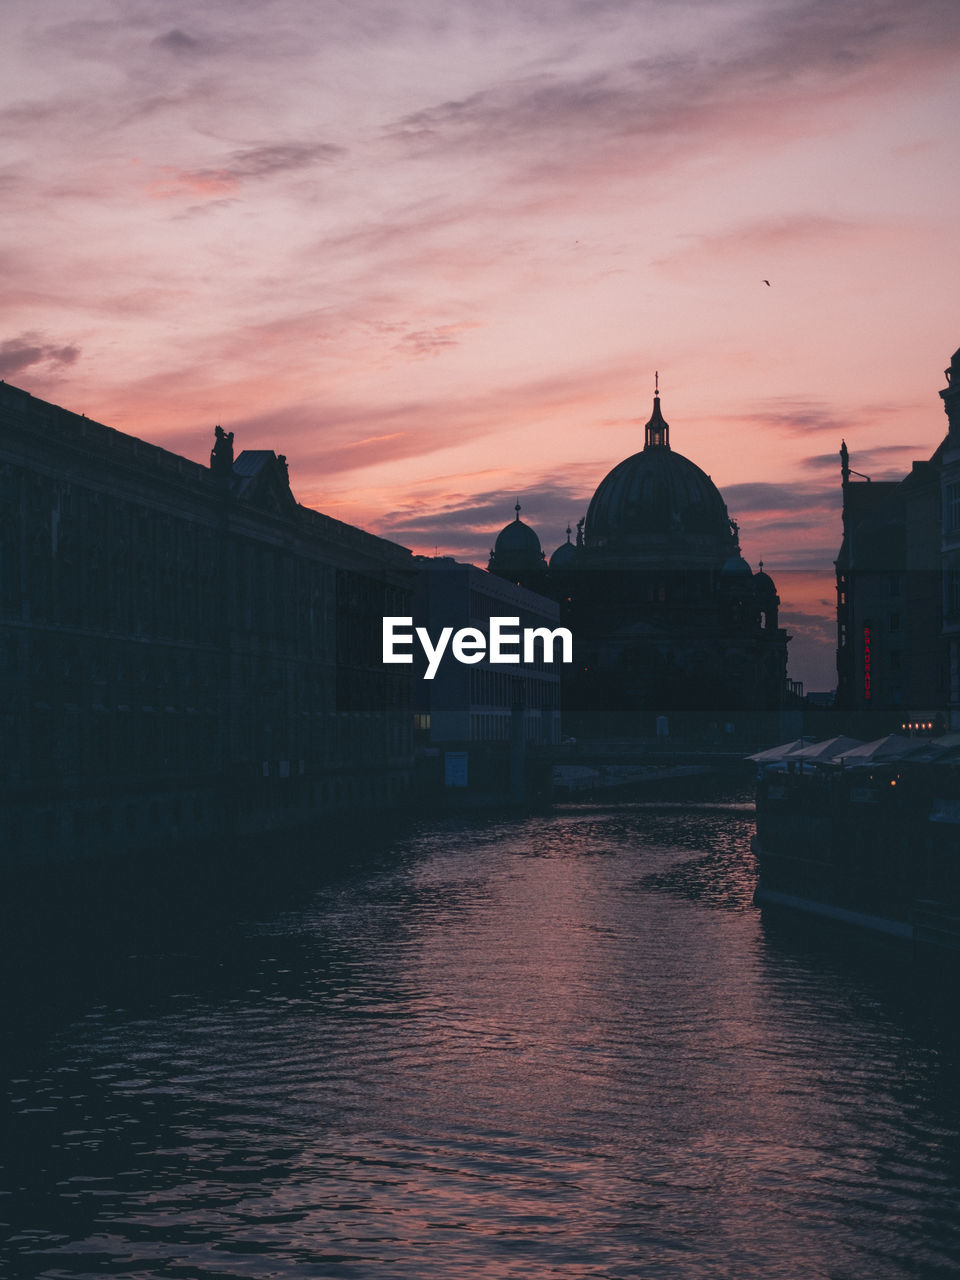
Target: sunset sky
{"points": [[433, 252]]}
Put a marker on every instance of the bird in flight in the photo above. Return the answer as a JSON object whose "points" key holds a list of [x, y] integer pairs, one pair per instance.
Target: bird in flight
{"points": [[767, 283]]}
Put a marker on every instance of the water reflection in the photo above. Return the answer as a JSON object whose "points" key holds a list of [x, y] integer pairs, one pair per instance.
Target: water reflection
{"points": [[565, 1045]]}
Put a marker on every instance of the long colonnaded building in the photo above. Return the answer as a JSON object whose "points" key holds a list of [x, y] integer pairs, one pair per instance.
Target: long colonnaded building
{"points": [[476, 704], [185, 651]]}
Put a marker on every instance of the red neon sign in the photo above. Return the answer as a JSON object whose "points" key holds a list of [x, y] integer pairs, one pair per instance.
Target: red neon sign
{"points": [[866, 664]]}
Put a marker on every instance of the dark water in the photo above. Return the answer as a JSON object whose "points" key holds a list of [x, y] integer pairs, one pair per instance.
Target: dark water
{"points": [[562, 1046]]}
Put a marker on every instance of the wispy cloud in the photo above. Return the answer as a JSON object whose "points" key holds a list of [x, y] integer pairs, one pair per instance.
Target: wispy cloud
{"points": [[761, 239], [801, 416], [180, 43], [29, 349], [483, 515], [791, 416], [881, 462], [764, 61], [250, 164], [764, 496], [431, 342], [793, 525], [813, 645]]}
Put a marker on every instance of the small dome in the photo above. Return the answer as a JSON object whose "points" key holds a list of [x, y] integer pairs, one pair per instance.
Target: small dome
{"points": [[764, 583], [564, 555], [736, 565], [517, 550], [517, 536]]}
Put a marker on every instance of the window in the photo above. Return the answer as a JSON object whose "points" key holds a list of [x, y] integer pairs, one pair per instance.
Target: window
{"points": [[953, 507], [893, 622]]}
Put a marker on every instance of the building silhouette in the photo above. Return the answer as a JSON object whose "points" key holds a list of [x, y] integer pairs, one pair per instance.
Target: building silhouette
{"points": [[667, 614], [898, 587], [950, 538], [478, 703], [186, 650], [889, 649]]}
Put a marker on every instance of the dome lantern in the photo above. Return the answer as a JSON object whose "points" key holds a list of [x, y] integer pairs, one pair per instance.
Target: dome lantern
{"points": [[657, 430]]}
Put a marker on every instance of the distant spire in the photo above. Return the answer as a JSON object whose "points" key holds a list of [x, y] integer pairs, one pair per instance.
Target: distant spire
{"points": [[517, 509], [568, 532], [844, 462]]}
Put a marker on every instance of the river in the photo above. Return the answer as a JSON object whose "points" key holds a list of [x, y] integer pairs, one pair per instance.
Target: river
{"points": [[561, 1045]]}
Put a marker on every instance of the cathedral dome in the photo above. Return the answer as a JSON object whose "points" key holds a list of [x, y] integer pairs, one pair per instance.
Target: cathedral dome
{"points": [[659, 496]]}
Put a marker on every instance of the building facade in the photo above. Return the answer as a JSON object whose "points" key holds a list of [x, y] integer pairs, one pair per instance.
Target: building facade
{"points": [[479, 703], [950, 539], [898, 589], [185, 651]]}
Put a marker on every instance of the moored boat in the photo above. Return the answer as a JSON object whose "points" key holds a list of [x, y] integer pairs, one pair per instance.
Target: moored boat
{"points": [[865, 834]]}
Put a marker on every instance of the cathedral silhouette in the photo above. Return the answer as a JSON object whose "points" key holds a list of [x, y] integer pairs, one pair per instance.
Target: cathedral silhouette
{"points": [[666, 613]]}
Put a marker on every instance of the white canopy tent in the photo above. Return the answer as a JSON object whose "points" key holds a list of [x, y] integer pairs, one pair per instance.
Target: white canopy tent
{"points": [[890, 747], [776, 753], [830, 749]]}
